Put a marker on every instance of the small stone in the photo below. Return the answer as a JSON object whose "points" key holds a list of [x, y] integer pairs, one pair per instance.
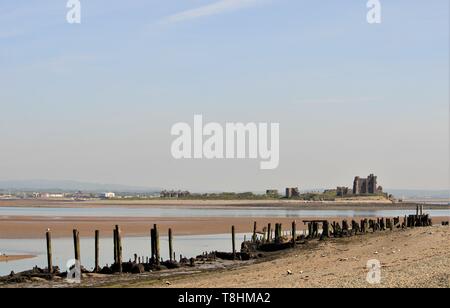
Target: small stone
{"points": [[289, 272], [168, 283]]}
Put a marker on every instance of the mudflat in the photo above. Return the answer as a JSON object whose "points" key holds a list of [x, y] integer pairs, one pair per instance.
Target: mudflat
{"points": [[6, 258], [329, 205]]}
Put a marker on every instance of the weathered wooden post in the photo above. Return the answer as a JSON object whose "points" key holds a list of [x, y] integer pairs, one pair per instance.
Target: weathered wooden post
{"points": [[152, 243], [76, 244], [97, 250], [345, 227], [115, 245], [119, 248], [326, 229], [157, 254], [233, 241], [254, 232], [171, 246], [294, 232], [276, 232], [49, 252], [269, 232]]}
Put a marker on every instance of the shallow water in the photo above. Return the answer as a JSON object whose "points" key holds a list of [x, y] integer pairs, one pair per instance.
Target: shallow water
{"points": [[201, 212], [189, 246]]}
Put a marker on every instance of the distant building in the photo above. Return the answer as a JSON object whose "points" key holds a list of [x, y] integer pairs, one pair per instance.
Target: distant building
{"points": [[272, 192], [108, 195], [361, 186], [343, 191], [365, 186], [292, 192], [51, 196], [174, 194]]}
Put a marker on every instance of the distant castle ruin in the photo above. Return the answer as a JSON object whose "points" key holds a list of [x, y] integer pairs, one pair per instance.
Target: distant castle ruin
{"points": [[361, 186]]}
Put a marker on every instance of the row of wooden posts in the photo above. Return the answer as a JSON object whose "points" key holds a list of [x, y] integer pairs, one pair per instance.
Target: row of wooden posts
{"points": [[117, 240], [313, 231], [335, 229]]}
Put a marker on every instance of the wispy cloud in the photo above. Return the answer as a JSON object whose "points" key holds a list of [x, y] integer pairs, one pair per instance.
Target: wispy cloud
{"points": [[219, 7]]}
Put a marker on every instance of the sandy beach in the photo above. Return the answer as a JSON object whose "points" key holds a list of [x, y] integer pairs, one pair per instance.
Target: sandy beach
{"points": [[411, 258]]}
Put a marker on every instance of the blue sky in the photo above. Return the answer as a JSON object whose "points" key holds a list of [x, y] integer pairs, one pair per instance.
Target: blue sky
{"points": [[95, 101]]}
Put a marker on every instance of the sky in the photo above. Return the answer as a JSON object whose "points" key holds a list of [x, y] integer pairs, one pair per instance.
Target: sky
{"points": [[96, 101]]}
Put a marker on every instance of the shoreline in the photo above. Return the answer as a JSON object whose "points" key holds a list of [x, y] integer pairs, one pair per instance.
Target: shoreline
{"points": [[288, 204]]}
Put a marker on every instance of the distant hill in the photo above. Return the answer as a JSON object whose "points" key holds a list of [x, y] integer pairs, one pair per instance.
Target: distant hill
{"points": [[69, 186]]}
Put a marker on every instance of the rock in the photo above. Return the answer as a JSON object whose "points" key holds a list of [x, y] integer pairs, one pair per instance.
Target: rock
{"points": [[137, 269], [106, 270], [289, 272]]}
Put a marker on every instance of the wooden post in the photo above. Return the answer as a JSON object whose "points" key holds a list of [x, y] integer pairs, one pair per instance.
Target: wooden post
{"points": [[254, 232], [76, 244], [233, 241], [115, 246], [276, 232], [294, 232], [171, 246], [325, 229], [269, 232], [152, 238], [97, 250], [157, 255], [49, 252], [119, 248]]}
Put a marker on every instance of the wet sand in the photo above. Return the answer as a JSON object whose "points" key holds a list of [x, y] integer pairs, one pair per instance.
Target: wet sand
{"points": [[15, 258], [342, 204], [24, 227]]}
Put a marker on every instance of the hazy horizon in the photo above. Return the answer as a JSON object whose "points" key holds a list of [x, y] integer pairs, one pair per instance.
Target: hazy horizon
{"points": [[95, 102], [71, 185]]}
